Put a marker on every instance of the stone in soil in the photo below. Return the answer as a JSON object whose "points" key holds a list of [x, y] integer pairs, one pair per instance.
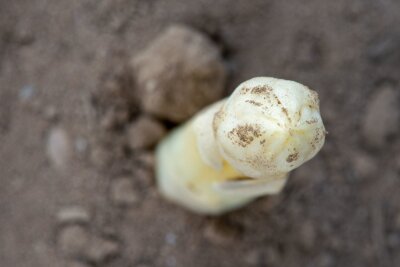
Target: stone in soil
{"points": [[26, 93], [73, 214], [253, 258], [81, 144], [382, 116], [101, 249], [73, 241], [144, 177], [145, 159], [219, 232], [59, 149], [307, 235], [76, 242], [50, 113], [364, 165], [123, 192], [145, 132], [113, 118], [115, 97], [100, 156], [179, 73]]}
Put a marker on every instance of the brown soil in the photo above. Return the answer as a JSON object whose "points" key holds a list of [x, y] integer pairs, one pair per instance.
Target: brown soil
{"points": [[74, 193]]}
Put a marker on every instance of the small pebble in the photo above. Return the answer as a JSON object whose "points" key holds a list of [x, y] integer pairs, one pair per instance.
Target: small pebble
{"points": [[73, 215], [382, 116], [81, 144], [114, 118], [145, 159], [179, 73], [145, 177], [253, 258], [123, 191], [307, 235], [100, 156], [40, 247], [364, 165], [73, 241], [59, 148], [170, 239], [76, 242], [26, 93], [50, 113], [145, 132], [101, 249], [220, 233]]}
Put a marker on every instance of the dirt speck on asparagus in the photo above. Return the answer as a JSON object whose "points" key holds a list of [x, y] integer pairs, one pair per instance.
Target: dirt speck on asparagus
{"points": [[244, 135]]}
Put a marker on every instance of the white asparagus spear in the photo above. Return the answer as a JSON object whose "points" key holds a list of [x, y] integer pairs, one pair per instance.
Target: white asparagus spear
{"points": [[241, 147]]}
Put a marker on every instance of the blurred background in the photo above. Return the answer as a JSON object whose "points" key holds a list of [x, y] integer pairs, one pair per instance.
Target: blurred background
{"points": [[76, 141]]}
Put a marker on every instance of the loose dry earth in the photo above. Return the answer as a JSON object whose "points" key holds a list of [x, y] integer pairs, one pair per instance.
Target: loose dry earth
{"points": [[76, 140]]}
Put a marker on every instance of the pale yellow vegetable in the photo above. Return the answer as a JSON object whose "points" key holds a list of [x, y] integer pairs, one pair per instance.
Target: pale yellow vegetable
{"points": [[241, 147]]}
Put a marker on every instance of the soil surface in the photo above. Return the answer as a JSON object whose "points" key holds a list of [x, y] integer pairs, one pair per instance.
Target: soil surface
{"points": [[77, 187]]}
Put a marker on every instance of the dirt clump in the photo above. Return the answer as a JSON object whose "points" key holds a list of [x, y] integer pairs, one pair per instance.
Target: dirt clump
{"points": [[79, 243], [382, 116], [180, 72], [145, 132], [122, 192]]}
